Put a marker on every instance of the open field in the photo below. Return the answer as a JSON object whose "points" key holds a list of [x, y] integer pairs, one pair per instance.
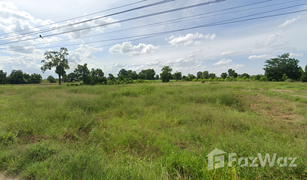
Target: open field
{"points": [[151, 131]]}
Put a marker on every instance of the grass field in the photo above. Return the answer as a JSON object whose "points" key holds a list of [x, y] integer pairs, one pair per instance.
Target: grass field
{"points": [[151, 131]]}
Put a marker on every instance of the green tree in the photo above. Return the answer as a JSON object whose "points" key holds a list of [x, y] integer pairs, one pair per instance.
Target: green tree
{"points": [[51, 79], [304, 75], [224, 75], [199, 75], [123, 73], [231, 73], [83, 73], [205, 75], [111, 77], [212, 75], [3, 79], [16, 77], [166, 73], [26, 77], [178, 76], [190, 77], [56, 59], [71, 77], [97, 76], [157, 77], [245, 75], [35, 78], [283, 64]]}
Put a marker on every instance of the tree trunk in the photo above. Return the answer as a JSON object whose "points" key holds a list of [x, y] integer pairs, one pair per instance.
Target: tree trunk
{"points": [[59, 79]]}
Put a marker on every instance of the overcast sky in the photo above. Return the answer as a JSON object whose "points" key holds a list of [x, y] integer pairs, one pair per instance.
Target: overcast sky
{"points": [[243, 46]]}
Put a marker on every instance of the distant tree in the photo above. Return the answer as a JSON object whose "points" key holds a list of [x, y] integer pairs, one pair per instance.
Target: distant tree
{"points": [[134, 75], [245, 75], [231, 72], [304, 75], [141, 75], [3, 79], [123, 73], [178, 76], [157, 77], [97, 76], [51, 79], [235, 75], [150, 74], [224, 75], [184, 77], [190, 77], [56, 59], [26, 77], [35, 78], [83, 73], [16, 77], [212, 75], [166, 73], [71, 77], [64, 77], [205, 75], [283, 64], [111, 77], [199, 75]]}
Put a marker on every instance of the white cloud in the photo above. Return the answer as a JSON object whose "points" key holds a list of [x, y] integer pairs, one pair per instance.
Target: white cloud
{"points": [[263, 56], [229, 53], [223, 62], [271, 39], [240, 66], [87, 27], [189, 39], [288, 22], [296, 55], [128, 48]]}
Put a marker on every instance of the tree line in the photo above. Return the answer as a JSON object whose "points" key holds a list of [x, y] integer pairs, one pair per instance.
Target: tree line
{"points": [[282, 68]]}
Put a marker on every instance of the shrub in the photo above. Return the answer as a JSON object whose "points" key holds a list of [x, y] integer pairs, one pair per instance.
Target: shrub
{"points": [[51, 79], [288, 80]]}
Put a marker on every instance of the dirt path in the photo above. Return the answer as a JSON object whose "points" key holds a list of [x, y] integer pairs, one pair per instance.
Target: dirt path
{"points": [[2, 177]]}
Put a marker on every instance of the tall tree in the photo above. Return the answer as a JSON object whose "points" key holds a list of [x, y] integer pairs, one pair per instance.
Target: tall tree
{"points": [[56, 59], [72, 76], [2, 77], [283, 64], [166, 73], [83, 73], [205, 75], [199, 74], [232, 73], [35, 78], [16, 77], [178, 76], [212, 75], [224, 75]]}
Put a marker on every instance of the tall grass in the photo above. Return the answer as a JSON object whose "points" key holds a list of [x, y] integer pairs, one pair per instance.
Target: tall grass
{"points": [[152, 131]]}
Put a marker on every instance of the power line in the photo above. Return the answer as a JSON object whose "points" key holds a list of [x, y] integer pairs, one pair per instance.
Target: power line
{"points": [[224, 22], [92, 19], [160, 32], [210, 25], [165, 22], [76, 17], [130, 19], [182, 20]]}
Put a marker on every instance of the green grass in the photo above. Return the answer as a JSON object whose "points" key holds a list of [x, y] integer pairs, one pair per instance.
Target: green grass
{"points": [[150, 131]]}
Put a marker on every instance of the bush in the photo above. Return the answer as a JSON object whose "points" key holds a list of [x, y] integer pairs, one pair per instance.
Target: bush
{"points": [[288, 80], [51, 79]]}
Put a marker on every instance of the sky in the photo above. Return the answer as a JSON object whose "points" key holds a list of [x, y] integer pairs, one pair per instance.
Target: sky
{"points": [[114, 39]]}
